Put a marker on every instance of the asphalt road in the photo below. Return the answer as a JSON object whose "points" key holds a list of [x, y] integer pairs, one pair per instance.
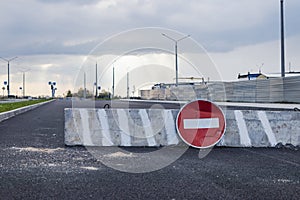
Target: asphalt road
{"points": [[35, 164]]}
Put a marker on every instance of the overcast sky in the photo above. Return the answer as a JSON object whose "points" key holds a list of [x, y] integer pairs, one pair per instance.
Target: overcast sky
{"points": [[52, 38]]}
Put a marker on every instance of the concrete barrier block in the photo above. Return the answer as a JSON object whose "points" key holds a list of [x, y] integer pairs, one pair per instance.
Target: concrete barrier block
{"points": [[154, 127], [120, 127], [231, 135]]}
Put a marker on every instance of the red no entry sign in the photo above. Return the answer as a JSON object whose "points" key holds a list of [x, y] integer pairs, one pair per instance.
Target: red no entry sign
{"points": [[201, 124]]}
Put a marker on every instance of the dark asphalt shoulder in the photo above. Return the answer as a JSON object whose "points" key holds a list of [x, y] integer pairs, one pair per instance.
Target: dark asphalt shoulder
{"points": [[35, 164]]}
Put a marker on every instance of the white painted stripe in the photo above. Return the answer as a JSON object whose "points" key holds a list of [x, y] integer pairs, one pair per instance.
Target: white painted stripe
{"points": [[76, 115], [124, 126], [86, 133], [170, 128], [147, 127], [106, 140], [201, 123], [244, 136], [267, 127]]}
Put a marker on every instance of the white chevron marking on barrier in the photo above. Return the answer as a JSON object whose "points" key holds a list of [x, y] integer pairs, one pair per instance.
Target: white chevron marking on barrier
{"points": [[147, 127], [124, 126], [106, 140], [267, 127], [85, 127], [170, 128], [244, 136]]}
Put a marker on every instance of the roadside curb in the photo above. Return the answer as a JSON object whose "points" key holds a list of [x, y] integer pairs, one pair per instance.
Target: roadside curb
{"points": [[12, 113]]}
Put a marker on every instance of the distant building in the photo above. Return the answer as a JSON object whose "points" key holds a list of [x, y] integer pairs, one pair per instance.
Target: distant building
{"points": [[252, 76]]}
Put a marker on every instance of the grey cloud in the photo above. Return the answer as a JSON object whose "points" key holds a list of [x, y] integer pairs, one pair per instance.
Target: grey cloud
{"points": [[80, 2], [45, 27]]}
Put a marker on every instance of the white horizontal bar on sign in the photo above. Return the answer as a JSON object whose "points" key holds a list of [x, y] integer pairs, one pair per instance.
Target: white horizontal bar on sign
{"points": [[201, 123]]}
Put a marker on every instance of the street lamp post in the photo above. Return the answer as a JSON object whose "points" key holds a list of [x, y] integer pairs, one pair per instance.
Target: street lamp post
{"points": [[127, 85], [8, 61], [282, 39], [96, 81], [84, 85], [24, 70], [176, 59], [113, 85], [23, 84]]}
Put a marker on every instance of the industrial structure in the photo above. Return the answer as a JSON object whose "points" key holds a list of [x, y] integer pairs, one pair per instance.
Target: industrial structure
{"points": [[272, 90]]}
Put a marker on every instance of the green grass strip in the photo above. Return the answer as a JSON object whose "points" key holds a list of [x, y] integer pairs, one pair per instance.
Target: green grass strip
{"points": [[4, 107]]}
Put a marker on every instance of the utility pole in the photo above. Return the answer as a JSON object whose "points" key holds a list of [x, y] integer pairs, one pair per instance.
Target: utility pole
{"points": [[96, 81], [282, 39], [8, 80], [176, 57], [127, 85], [84, 85], [113, 85], [23, 84], [24, 70], [133, 90]]}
